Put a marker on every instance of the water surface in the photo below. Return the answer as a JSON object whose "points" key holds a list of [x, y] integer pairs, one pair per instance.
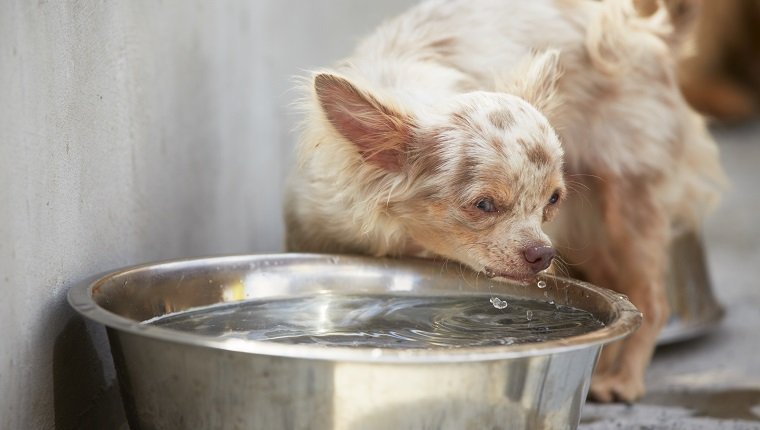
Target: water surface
{"points": [[385, 321]]}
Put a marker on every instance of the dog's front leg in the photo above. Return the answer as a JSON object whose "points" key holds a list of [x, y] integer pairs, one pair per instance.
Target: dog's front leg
{"points": [[621, 368], [627, 253]]}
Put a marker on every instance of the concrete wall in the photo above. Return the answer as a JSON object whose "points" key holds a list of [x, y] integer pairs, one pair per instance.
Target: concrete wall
{"points": [[133, 131]]}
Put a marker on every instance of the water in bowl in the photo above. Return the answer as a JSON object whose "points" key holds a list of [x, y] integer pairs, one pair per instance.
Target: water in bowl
{"points": [[379, 321]]}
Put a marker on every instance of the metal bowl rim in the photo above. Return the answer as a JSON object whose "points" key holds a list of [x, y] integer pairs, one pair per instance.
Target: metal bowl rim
{"points": [[80, 297]]}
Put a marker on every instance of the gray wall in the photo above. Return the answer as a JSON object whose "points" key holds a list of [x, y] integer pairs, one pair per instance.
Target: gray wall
{"points": [[133, 131]]}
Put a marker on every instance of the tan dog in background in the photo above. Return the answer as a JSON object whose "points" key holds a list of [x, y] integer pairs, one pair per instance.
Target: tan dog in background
{"points": [[455, 131], [722, 79]]}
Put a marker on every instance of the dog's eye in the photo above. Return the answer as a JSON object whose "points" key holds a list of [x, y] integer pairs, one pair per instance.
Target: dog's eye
{"points": [[554, 198], [485, 205]]}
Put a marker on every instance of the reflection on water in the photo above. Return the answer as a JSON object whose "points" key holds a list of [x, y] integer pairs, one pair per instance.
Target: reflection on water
{"points": [[384, 321]]}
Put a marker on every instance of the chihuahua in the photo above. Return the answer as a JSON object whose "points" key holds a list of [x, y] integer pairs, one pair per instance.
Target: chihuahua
{"points": [[458, 129]]}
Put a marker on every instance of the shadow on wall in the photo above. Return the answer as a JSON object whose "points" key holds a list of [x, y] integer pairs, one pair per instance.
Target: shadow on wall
{"points": [[84, 398]]}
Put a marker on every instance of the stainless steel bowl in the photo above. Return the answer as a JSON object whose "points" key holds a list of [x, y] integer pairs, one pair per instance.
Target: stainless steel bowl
{"points": [[180, 380], [694, 309]]}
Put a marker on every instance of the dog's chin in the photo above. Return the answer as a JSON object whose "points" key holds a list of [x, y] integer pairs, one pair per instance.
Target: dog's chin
{"points": [[514, 276]]}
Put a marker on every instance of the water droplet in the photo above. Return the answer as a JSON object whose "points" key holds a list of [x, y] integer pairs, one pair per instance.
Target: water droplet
{"points": [[551, 302], [529, 315], [489, 273], [498, 303], [541, 284]]}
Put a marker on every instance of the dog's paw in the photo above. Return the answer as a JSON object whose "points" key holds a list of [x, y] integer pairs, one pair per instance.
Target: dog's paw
{"points": [[615, 388]]}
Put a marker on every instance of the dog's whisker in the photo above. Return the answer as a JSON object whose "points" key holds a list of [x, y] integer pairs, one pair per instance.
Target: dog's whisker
{"points": [[562, 267], [576, 186], [587, 175]]}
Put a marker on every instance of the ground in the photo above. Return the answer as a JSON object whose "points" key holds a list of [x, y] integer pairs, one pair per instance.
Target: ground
{"points": [[712, 382]]}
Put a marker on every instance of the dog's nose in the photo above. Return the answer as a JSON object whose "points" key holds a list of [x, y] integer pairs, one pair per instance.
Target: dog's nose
{"points": [[539, 257]]}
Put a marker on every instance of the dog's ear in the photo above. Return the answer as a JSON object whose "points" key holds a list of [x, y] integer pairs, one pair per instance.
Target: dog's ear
{"points": [[379, 131], [535, 80]]}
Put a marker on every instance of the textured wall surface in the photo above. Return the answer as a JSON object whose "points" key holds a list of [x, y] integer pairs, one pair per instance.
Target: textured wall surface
{"points": [[132, 131]]}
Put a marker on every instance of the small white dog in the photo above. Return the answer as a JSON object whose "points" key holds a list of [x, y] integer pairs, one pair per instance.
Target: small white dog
{"points": [[456, 130]]}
